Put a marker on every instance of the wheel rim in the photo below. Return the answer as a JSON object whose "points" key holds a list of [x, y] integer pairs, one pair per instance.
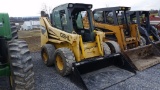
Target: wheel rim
{"points": [[45, 56], [59, 62]]}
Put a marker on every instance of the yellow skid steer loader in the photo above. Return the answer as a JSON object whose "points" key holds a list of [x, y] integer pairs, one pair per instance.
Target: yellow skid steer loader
{"points": [[117, 28], [75, 49]]}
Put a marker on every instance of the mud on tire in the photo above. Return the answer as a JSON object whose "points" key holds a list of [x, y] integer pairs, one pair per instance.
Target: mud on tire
{"points": [[67, 58], [21, 66], [49, 49]]}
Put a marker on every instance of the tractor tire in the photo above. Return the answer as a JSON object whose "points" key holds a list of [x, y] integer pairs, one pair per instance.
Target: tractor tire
{"points": [[63, 61], [114, 46], [21, 66], [47, 54], [142, 41], [107, 50], [14, 31]]}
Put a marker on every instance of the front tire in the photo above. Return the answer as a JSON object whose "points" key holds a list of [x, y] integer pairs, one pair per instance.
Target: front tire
{"points": [[21, 66], [63, 61]]}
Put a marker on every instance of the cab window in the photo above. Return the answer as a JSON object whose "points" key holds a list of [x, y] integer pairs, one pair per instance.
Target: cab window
{"points": [[109, 17], [79, 20], [57, 20], [63, 20], [60, 20], [98, 17]]}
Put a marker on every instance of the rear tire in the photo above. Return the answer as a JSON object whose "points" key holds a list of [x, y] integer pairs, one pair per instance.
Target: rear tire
{"points": [[47, 54], [14, 31], [114, 46], [22, 75], [142, 41], [63, 61]]}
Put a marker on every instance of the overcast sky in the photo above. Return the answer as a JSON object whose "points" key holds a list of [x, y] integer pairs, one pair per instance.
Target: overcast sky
{"points": [[33, 7]]}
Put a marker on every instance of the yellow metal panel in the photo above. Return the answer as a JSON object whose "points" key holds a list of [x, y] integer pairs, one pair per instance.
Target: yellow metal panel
{"points": [[82, 47], [92, 52], [91, 49], [130, 39], [64, 36], [135, 33], [53, 36], [99, 45], [55, 41], [121, 39], [109, 33], [117, 30], [44, 36]]}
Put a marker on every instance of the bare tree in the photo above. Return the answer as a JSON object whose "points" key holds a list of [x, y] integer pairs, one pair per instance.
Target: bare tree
{"points": [[46, 8]]}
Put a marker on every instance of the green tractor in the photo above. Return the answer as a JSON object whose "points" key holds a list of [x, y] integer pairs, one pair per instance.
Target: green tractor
{"points": [[15, 58]]}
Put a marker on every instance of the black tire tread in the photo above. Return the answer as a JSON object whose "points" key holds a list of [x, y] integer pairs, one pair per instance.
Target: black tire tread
{"points": [[50, 52], [69, 58], [115, 45], [21, 65], [14, 31]]}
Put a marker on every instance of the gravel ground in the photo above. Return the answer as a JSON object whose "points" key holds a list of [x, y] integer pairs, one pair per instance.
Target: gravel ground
{"points": [[46, 78]]}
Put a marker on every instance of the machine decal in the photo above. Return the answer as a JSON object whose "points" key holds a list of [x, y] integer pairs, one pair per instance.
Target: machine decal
{"points": [[64, 36], [52, 32]]}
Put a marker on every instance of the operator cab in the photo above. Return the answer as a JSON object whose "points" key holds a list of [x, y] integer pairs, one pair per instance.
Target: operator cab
{"points": [[113, 16], [69, 18], [139, 17]]}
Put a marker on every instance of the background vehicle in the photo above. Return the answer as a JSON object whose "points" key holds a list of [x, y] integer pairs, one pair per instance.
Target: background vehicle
{"points": [[114, 22], [155, 21], [15, 59], [146, 30]]}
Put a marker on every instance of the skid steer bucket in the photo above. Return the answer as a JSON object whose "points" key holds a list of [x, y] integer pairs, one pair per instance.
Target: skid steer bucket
{"points": [[101, 73], [145, 56]]}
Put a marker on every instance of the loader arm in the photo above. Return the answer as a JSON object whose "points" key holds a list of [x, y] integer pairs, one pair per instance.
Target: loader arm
{"points": [[57, 34], [117, 30]]}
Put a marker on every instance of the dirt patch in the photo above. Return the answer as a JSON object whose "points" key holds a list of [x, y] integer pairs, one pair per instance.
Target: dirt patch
{"points": [[32, 38]]}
